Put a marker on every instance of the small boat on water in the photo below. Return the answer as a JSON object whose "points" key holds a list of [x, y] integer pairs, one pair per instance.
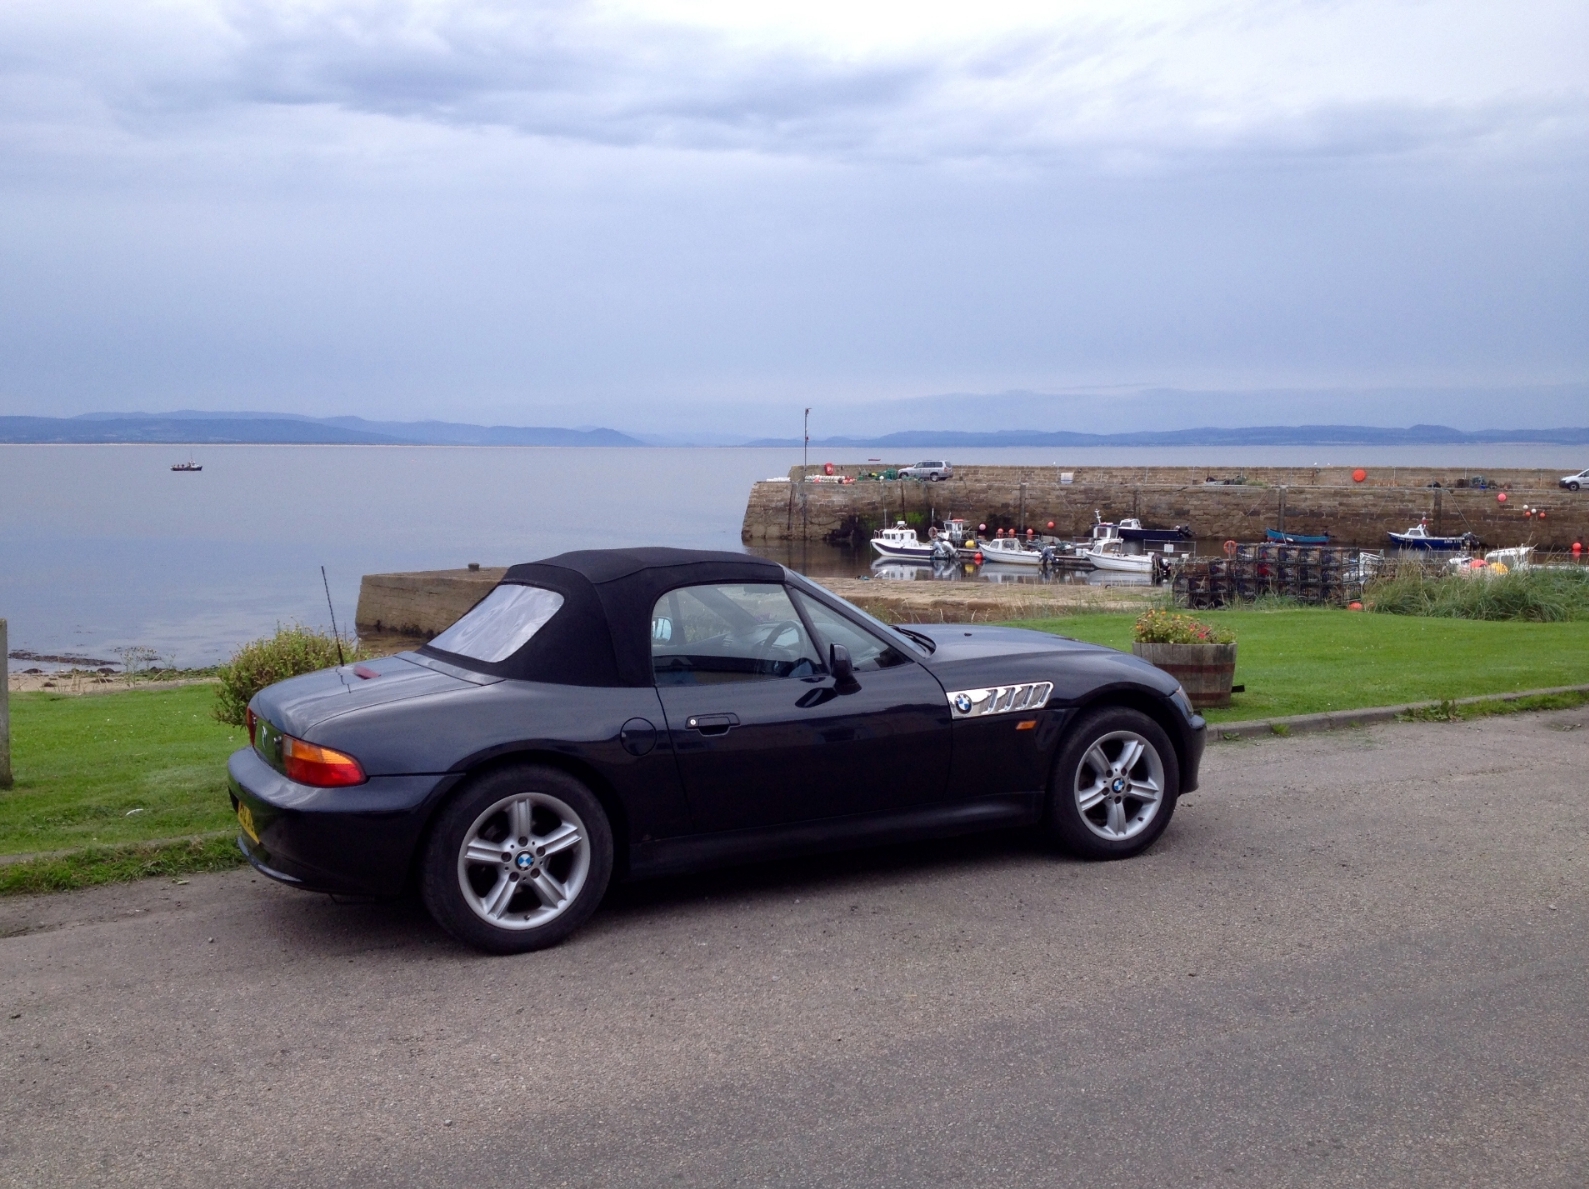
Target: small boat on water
{"points": [[1419, 537], [1110, 554], [1277, 537], [1010, 551], [1131, 530], [189, 465], [901, 543]]}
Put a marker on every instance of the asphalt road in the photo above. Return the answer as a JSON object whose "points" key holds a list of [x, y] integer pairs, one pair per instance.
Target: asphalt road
{"points": [[1353, 959]]}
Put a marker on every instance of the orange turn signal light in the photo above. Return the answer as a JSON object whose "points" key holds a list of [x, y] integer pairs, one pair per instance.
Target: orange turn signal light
{"points": [[1026, 724], [309, 763]]}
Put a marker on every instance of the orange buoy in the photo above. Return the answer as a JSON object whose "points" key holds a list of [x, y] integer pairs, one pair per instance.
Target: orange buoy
{"points": [[982, 528], [1577, 549], [1230, 549], [1030, 531], [1542, 513], [1500, 497], [1359, 475], [1050, 524], [827, 468], [1354, 605], [977, 557]]}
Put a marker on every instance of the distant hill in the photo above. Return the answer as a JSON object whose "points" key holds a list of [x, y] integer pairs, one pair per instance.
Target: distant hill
{"points": [[193, 428], [1258, 435]]}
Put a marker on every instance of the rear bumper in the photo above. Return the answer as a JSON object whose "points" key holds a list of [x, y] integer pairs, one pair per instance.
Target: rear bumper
{"points": [[358, 840]]}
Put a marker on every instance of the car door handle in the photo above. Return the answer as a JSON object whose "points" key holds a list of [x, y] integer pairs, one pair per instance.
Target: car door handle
{"points": [[712, 724]]}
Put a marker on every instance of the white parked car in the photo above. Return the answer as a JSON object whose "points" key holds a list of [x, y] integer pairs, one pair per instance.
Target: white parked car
{"points": [[1574, 482], [933, 471]]}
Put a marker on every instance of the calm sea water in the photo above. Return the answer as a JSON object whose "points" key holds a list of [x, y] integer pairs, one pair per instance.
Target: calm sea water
{"points": [[104, 547]]}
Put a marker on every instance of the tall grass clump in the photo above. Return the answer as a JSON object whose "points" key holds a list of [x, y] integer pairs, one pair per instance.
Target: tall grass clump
{"points": [[290, 652], [1532, 595]]}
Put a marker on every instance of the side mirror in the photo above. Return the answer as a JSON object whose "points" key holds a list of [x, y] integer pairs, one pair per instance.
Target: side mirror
{"points": [[842, 668]]}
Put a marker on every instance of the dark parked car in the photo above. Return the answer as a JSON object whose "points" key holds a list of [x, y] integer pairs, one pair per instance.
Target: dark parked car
{"points": [[634, 712]]}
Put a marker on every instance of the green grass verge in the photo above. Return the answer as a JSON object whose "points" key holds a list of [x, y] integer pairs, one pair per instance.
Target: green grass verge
{"points": [[1305, 660], [111, 769], [114, 864], [1448, 710]]}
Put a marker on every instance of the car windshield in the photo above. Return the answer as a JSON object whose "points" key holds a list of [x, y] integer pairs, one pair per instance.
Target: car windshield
{"points": [[500, 624]]}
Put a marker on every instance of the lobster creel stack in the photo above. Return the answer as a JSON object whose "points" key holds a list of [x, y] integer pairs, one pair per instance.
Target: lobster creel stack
{"points": [[1318, 575]]}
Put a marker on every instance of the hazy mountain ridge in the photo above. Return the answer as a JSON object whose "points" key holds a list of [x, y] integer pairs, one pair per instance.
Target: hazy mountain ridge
{"points": [[190, 427], [193, 428]]}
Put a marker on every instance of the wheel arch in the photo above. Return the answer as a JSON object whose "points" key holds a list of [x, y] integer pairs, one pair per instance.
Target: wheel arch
{"points": [[1160, 710], [586, 773]]}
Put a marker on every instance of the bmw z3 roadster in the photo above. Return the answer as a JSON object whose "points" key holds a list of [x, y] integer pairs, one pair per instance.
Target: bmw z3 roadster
{"points": [[635, 712]]}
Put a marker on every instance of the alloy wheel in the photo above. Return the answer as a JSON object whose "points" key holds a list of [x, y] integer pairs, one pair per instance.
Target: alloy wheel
{"points": [[524, 861], [1119, 785]]}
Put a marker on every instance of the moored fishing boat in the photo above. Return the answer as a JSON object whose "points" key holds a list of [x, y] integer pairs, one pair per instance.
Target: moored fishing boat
{"points": [[189, 465], [1110, 554], [1419, 537], [1010, 551], [1282, 538], [1131, 529]]}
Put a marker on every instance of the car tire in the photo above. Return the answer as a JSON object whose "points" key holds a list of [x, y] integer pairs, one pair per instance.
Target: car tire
{"points": [[517, 859], [1092, 811], [1572, 487]]}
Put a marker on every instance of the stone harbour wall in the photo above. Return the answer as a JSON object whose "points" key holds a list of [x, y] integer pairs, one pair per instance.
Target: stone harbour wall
{"points": [[1299, 500]]}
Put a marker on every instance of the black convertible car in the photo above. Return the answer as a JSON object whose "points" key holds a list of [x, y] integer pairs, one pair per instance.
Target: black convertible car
{"points": [[633, 712]]}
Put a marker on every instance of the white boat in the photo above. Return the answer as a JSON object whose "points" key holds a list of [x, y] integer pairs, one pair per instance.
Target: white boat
{"points": [[1496, 561], [900, 543], [1110, 554], [1010, 551]]}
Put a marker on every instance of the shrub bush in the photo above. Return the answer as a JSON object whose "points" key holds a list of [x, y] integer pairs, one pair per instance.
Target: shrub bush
{"points": [[1166, 627], [1533, 595], [291, 651]]}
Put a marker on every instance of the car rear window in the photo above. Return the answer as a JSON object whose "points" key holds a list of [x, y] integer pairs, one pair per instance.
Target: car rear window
{"points": [[500, 624]]}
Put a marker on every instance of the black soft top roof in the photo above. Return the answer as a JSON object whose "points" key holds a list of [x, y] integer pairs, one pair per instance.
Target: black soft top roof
{"points": [[602, 633]]}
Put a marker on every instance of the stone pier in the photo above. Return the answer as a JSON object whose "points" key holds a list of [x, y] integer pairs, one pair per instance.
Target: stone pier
{"points": [[1219, 503]]}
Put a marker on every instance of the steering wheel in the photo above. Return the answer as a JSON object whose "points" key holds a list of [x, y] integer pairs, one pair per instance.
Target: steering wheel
{"points": [[766, 648]]}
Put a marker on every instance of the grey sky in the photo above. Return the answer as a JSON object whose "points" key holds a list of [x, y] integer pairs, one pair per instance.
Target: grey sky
{"points": [[646, 215]]}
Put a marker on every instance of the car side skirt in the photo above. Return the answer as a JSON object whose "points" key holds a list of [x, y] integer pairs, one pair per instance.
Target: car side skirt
{"points": [[672, 856]]}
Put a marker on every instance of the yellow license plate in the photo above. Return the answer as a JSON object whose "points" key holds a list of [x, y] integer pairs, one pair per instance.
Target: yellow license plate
{"points": [[246, 819]]}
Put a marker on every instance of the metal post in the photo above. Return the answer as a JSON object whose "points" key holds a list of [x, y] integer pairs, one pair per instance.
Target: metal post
{"points": [[5, 710], [1282, 507], [805, 471]]}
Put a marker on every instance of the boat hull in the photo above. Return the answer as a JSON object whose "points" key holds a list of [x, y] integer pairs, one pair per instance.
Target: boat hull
{"points": [[1157, 536], [1280, 538], [1124, 563], [1431, 544]]}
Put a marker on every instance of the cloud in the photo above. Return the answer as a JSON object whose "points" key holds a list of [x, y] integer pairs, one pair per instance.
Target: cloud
{"points": [[1084, 83]]}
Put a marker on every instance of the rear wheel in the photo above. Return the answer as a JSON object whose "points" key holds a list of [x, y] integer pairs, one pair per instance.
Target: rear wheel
{"points": [[517, 860], [1114, 785]]}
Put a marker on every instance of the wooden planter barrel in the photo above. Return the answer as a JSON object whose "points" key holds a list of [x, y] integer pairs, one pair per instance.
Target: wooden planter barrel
{"points": [[1206, 670]]}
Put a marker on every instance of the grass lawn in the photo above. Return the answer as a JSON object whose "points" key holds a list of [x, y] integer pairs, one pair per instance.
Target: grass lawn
{"points": [[102, 771], [1302, 660]]}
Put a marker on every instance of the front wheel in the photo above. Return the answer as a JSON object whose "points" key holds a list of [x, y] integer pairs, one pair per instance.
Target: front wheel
{"points": [[1114, 785], [1572, 487], [518, 860]]}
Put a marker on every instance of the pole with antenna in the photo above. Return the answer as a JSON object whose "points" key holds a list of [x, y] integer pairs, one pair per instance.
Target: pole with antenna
{"points": [[341, 660], [805, 471]]}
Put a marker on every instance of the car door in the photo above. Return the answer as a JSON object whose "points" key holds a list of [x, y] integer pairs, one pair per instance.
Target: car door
{"points": [[764, 736]]}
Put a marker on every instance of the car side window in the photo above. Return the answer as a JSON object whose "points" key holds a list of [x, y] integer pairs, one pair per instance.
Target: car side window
{"points": [[702, 635], [866, 650]]}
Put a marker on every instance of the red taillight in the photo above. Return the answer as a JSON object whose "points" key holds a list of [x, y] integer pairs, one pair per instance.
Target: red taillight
{"points": [[309, 763], [253, 724]]}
